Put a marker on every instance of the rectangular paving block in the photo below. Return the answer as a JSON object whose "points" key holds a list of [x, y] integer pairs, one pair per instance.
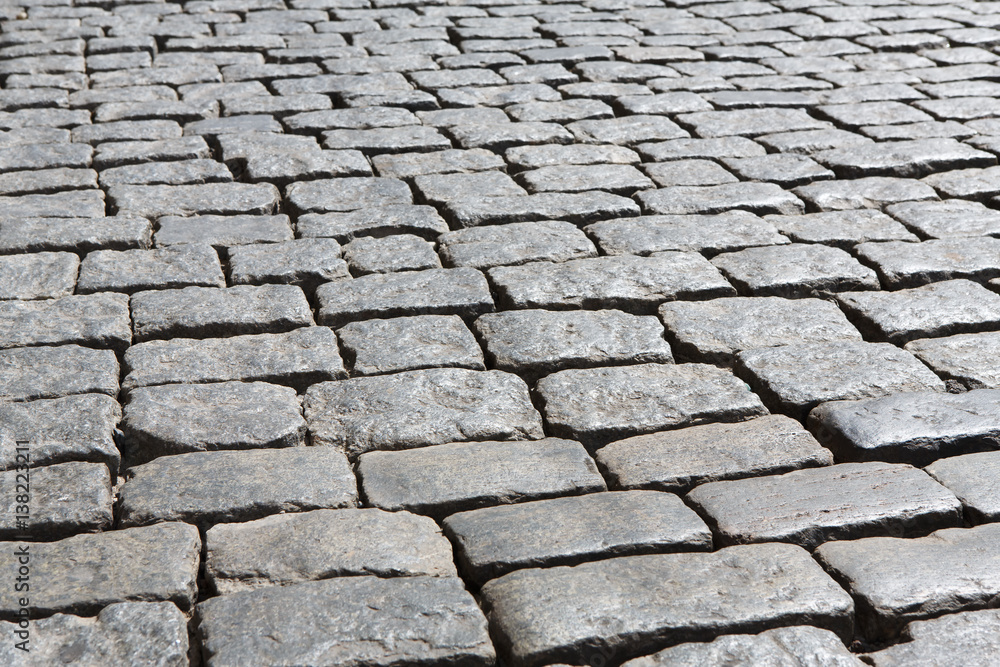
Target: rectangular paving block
{"points": [[566, 531], [391, 254], [42, 275], [346, 194], [463, 292], [86, 573], [578, 208], [733, 230], [155, 201], [65, 499], [793, 379], [420, 408], [533, 343], [298, 358], [948, 218], [418, 621], [755, 197], [968, 360], [303, 262], [842, 229], [914, 427], [965, 638], [841, 502], [598, 405], [28, 373], [869, 192], [73, 428], [74, 204], [322, 544], [681, 459], [97, 320], [795, 270], [456, 477], [162, 268], [206, 488], [377, 347], [625, 282], [22, 235], [222, 231], [896, 580], [381, 220], [973, 478], [913, 264], [635, 605], [715, 331], [514, 243], [208, 312]]}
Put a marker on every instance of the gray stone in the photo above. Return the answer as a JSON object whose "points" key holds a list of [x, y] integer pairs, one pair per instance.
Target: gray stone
{"points": [[967, 639], [808, 142], [65, 498], [423, 221], [626, 130], [967, 183], [303, 262], [222, 230], [840, 502], [42, 275], [795, 270], [869, 192], [700, 149], [120, 153], [44, 156], [599, 405], [376, 347], [354, 620], [949, 218], [937, 309], [914, 428], [24, 235], [967, 359], [163, 268], [226, 486], [72, 428], [797, 646], [626, 282], [400, 252], [98, 320], [750, 122], [784, 169], [907, 159], [733, 230], [793, 379], [533, 343], [688, 172], [151, 633], [47, 181], [897, 580], [679, 460], [620, 179], [842, 229], [715, 331], [552, 155], [288, 548], [210, 312], [346, 194], [154, 201], [873, 113], [515, 243], [408, 165], [973, 478], [629, 606], [86, 573], [456, 477], [182, 172], [73, 204], [756, 197], [420, 408], [27, 373], [281, 168], [914, 264], [298, 358], [179, 418], [565, 531], [581, 207]]}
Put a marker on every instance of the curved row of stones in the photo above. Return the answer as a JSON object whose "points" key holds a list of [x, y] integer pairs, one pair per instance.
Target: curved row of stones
{"points": [[375, 332]]}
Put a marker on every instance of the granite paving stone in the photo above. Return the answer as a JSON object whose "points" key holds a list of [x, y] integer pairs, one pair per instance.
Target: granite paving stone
{"points": [[732, 230], [793, 379], [965, 638], [692, 199], [96, 320], [222, 231], [304, 262], [965, 183], [513, 244], [420, 408], [135, 270], [28, 373], [42, 275], [972, 478], [282, 549], [346, 194], [688, 172], [377, 347], [948, 218], [896, 580], [840, 502], [843, 229], [633, 605], [26, 235], [409, 165], [456, 477], [153, 201], [423, 221], [913, 264], [438, 189], [869, 192], [536, 157], [206, 488], [967, 359], [576, 207], [67, 498], [903, 158]]}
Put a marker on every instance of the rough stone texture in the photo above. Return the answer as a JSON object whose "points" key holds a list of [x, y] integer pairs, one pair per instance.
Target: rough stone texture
{"points": [[870, 192], [297, 358], [215, 487], [842, 229], [65, 499], [969, 359], [304, 262], [178, 418], [577, 208], [154, 201], [136, 633], [207, 312], [715, 331], [598, 405], [402, 252], [418, 621], [420, 408], [681, 459], [626, 282], [914, 428], [945, 219], [798, 646], [795, 378], [288, 548], [565, 531], [973, 478], [134, 270], [423, 221], [27, 373], [43, 275], [967, 639], [86, 573], [533, 343], [515, 243], [38, 234], [841, 502], [638, 604], [729, 231], [376, 347], [456, 477], [914, 264], [896, 580], [98, 320]]}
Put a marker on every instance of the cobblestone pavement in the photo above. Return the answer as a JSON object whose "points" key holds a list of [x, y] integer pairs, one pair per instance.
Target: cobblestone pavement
{"points": [[500, 332]]}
